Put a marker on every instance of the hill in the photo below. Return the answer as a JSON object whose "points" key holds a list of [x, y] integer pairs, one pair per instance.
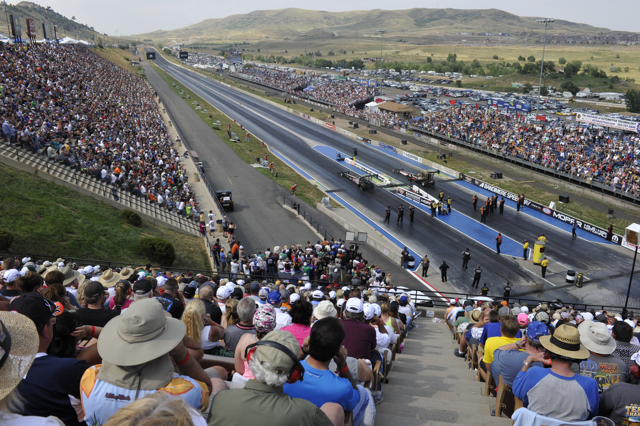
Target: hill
{"points": [[293, 22]]}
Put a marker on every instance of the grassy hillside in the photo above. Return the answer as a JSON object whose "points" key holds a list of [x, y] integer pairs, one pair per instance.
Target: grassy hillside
{"points": [[52, 220], [293, 22], [66, 26]]}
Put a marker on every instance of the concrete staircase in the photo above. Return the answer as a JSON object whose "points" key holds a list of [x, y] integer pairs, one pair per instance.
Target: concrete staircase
{"points": [[66, 176], [428, 385]]}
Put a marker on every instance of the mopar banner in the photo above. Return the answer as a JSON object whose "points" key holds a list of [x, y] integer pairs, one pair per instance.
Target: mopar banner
{"points": [[412, 157], [630, 126], [389, 147], [509, 105], [587, 227]]}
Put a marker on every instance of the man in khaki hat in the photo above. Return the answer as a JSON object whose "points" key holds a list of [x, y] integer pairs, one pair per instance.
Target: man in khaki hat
{"points": [[136, 349], [274, 362], [601, 365], [558, 392], [72, 280]]}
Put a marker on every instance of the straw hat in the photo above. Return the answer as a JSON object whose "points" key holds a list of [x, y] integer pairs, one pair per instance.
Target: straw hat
{"points": [[565, 342], [126, 272], [109, 278], [19, 337]]}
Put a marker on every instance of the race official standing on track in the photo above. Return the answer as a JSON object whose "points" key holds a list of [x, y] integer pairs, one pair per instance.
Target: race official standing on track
{"points": [[405, 257], [412, 211], [495, 202], [433, 209], [482, 217], [525, 250], [440, 207], [466, 255], [400, 214], [474, 200], [542, 238], [477, 273], [441, 195], [425, 265], [387, 214], [487, 205], [501, 205], [449, 201], [573, 230], [484, 291], [506, 292], [498, 242], [544, 264], [443, 271], [518, 204]]}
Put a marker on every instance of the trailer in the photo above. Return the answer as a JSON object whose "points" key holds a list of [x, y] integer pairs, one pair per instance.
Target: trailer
{"points": [[421, 178], [363, 182]]}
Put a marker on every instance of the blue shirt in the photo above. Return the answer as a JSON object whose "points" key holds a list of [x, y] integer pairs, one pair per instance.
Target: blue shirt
{"points": [[493, 330], [568, 399], [322, 386]]}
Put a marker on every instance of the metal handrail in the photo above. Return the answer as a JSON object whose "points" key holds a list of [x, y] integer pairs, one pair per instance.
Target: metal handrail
{"points": [[294, 205]]}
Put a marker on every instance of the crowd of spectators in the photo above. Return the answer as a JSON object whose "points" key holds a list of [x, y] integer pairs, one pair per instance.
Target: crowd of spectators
{"points": [[83, 111], [564, 365], [103, 342], [341, 94]]}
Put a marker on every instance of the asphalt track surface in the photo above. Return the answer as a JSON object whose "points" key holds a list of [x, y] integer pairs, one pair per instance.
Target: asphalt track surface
{"points": [[606, 267]]}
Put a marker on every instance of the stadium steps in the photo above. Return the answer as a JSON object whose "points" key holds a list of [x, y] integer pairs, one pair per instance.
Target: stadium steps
{"points": [[97, 187], [428, 385]]}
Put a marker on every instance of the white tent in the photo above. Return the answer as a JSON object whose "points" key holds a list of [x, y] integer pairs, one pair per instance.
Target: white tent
{"points": [[371, 107], [68, 40]]}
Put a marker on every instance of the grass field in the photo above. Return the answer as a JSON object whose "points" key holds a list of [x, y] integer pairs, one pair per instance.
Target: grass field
{"points": [[121, 58], [248, 151], [51, 220]]}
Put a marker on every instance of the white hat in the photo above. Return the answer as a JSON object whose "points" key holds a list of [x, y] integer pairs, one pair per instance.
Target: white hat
{"points": [[141, 275], [636, 357], [61, 265], [631, 323], [335, 270], [88, 269], [24, 271], [332, 294], [524, 309], [452, 301], [223, 292], [619, 318], [26, 259], [324, 309], [46, 264], [240, 282], [307, 286], [294, 297], [354, 305], [241, 247], [340, 302], [345, 288], [317, 294], [230, 285], [588, 316], [368, 310], [11, 275], [378, 309]]}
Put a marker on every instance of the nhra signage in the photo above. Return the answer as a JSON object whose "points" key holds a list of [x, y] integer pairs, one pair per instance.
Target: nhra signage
{"points": [[630, 126], [509, 105], [587, 227], [413, 196], [366, 82], [183, 55]]}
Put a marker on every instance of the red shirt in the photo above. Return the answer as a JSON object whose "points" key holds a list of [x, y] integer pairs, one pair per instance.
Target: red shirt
{"points": [[359, 339]]}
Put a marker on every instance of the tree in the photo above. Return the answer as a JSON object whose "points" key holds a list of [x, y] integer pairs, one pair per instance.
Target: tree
{"points": [[626, 69], [572, 68], [531, 58], [452, 57], [527, 88], [495, 57], [569, 86], [544, 91], [429, 60], [458, 83], [522, 58], [160, 46], [562, 61], [632, 100]]}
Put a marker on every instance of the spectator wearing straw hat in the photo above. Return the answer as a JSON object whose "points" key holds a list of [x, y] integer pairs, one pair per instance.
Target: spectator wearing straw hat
{"points": [[19, 343], [52, 385], [558, 392]]}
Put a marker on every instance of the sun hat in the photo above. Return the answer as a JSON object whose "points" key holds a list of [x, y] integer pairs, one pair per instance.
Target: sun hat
{"points": [[368, 310], [324, 309], [142, 334], [537, 329], [125, 272], [223, 292], [278, 361], [264, 319], [109, 278], [294, 298], [354, 305], [474, 316], [595, 336], [19, 341], [565, 342], [523, 319]]}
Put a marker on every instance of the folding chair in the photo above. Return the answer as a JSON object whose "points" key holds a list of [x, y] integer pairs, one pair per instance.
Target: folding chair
{"points": [[490, 384], [505, 400]]}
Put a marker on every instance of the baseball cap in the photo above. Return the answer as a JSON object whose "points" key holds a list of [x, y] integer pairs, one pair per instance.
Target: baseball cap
{"points": [[368, 310], [307, 286], [377, 309], [340, 302], [223, 292], [263, 293], [34, 306], [317, 294], [93, 289], [142, 287], [275, 297], [255, 287], [523, 319], [285, 294], [294, 297], [264, 319], [403, 298], [452, 301], [240, 282], [354, 305], [11, 275], [537, 329]]}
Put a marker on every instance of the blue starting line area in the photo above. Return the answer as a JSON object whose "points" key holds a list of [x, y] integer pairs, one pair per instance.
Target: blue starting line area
{"points": [[348, 163], [471, 228], [533, 213]]}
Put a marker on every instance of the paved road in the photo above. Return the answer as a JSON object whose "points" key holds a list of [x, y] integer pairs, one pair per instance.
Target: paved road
{"points": [[296, 138]]}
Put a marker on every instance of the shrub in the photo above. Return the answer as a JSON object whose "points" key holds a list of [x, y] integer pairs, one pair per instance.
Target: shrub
{"points": [[495, 57], [131, 217], [6, 239], [158, 250]]}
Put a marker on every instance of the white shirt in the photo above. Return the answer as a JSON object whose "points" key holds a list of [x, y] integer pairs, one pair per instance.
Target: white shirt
{"points": [[204, 339], [283, 319], [234, 267], [11, 419], [382, 339]]}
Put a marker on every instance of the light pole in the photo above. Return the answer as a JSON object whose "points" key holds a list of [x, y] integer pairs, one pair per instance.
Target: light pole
{"points": [[73, 18], [544, 44], [305, 49], [381, 34]]}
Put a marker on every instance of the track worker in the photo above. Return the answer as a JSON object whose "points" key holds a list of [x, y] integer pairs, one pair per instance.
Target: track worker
{"points": [[525, 250], [501, 205], [387, 214], [412, 211], [425, 265], [400, 214], [543, 265], [498, 242], [474, 200]]}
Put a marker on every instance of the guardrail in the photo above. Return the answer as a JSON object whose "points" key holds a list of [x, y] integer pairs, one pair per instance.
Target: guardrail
{"points": [[295, 205]]}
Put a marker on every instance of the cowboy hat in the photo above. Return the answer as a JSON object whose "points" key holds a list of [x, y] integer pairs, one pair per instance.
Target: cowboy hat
{"points": [[126, 272], [565, 342], [18, 337], [69, 275], [595, 337], [143, 333], [109, 278]]}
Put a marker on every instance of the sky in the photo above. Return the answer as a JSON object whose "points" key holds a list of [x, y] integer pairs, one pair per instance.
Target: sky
{"points": [[127, 17]]}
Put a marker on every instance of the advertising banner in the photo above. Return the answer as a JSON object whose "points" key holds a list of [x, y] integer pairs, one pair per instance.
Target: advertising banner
{"points": [[16, 29], [414, 197], [541, 117], [412, 157], [183, 55], [329, 126], [518, 106], [587, 227], [630, 126], [389, 147], [31, 29]]}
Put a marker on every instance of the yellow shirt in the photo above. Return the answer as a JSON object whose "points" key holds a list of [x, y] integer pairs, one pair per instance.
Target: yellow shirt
{"points": [[543, 239], [525, 246], [494, 343], [545, 262]]}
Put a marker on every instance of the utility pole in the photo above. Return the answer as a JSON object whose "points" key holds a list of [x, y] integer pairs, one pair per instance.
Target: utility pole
{"points": [[381, 34], [544, 44], [305, 49]]}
